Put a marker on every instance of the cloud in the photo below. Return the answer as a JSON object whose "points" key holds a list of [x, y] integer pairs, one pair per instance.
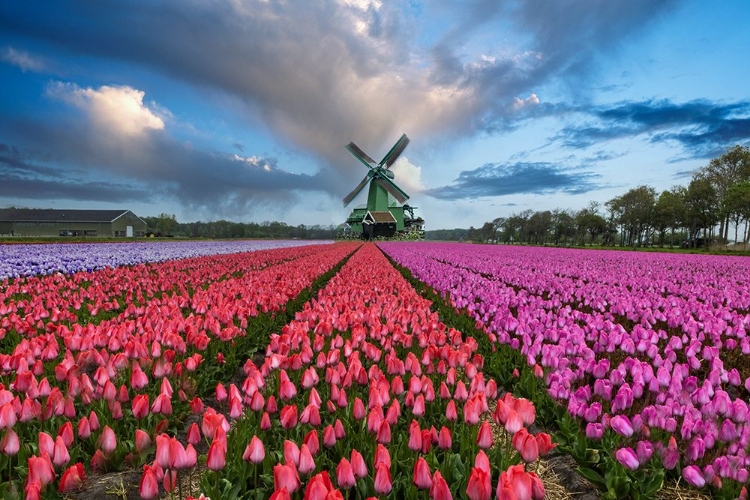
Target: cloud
{"points": [[408, 176], [119, 110], [23, 60], [704, 128], [495, 179], [320, 74]]}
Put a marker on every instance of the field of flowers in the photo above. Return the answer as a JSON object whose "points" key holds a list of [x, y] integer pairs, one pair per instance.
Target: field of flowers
{"points": [[320, 371], [646, 351], [31, 260]]}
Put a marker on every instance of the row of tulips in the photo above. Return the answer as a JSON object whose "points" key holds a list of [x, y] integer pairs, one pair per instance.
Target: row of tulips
{"points": [[68, 258], [646, 350], [366, 393], [81, 392]]}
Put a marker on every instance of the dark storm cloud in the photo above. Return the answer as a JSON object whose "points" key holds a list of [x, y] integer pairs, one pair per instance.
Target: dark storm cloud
{"points": [[210, 183], [702, 127], [494, 179], [323, 73]]}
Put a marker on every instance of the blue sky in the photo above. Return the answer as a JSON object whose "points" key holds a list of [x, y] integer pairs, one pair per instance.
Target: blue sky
{"points": [[241, 109]]}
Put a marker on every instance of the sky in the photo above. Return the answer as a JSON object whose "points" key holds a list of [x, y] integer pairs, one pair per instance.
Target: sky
{"points": [[240, 109]]}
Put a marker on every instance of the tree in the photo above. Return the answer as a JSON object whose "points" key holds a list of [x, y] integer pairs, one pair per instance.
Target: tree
{"points": [[723, 172], [669, 212], [633, 211], [737, 205], [563, 226], [166, 224], [702, 206]]}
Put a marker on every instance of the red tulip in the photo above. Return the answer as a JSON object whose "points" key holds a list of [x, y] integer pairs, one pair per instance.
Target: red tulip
{"points": [[193, 434], [72, 479], [84, 428], [439, 489], [196, 406], [179, 458], [217, 456], [291, 452], [359, 410], [288, 417], [98, 461], [345, 474], [60, 456], [451, 414], [479, 487], [514, 423], [384, 433], [10, 445], [329, 436], [519, 481], [66, 433], [422, 478], [281, 494], [312, 442], [287, 390], [383, 481], [254, 452], [221, 392], [544, 442], [7, 416], [306, 461], [108, 440], [445, 441], [382, 456], [358, 465], [148, 487], [286, 477], [484, 436], [140, 406], [426, 441], [265, 422], [162, 404], [415, 436], [40, 470], [163, 451]]}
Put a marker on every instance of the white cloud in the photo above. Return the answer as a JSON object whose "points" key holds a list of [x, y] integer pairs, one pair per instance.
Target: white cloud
{"points": [[408, 176], [116, 109], [532, 100], [23, 60]]}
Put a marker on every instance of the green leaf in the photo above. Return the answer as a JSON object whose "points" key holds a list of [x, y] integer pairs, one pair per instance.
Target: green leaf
{"points": [[592, 476]]}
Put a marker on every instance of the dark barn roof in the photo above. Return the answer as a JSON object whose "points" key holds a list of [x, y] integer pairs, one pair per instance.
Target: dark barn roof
{"points": [[382, 217], [57, 215]]}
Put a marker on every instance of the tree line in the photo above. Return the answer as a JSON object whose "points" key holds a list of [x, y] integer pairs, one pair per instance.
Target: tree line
{"points": [[166, 225], [716, 200]]}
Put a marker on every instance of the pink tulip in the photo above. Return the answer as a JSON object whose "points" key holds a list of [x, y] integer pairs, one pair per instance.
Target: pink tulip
{"points": [[345, 474], [255, 451], [422, 478], [216, 459]]}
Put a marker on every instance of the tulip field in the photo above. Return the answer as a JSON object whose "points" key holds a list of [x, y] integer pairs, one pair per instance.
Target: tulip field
{"points": [[284, 370], [647, 351]]}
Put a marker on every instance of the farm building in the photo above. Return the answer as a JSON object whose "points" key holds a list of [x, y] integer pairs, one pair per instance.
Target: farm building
{"points": [[43, 222]]}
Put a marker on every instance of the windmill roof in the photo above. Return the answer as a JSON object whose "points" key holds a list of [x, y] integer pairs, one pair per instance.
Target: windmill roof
{"points": [[380, 217]]}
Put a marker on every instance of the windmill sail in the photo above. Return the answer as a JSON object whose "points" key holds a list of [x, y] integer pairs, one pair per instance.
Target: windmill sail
{"points": [[361, 155], [356, 190], [389, 186], [395, 152]]}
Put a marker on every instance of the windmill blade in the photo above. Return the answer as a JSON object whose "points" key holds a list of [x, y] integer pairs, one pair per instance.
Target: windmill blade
{"points": [[395, 152], [356, 190], [389, 186], [361, 155]]}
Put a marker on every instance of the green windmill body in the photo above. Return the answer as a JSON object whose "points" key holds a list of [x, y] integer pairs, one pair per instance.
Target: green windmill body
{"points": [[383, 215]]}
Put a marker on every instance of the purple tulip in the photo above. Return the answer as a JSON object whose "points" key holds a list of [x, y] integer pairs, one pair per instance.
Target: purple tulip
{"points": [[694, 476], [628, 458], [644, 450], [621, 425], [594, 431]]}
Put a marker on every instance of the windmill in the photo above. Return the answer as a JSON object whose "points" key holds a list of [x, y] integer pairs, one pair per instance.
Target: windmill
{"points": [[384, 213]]}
